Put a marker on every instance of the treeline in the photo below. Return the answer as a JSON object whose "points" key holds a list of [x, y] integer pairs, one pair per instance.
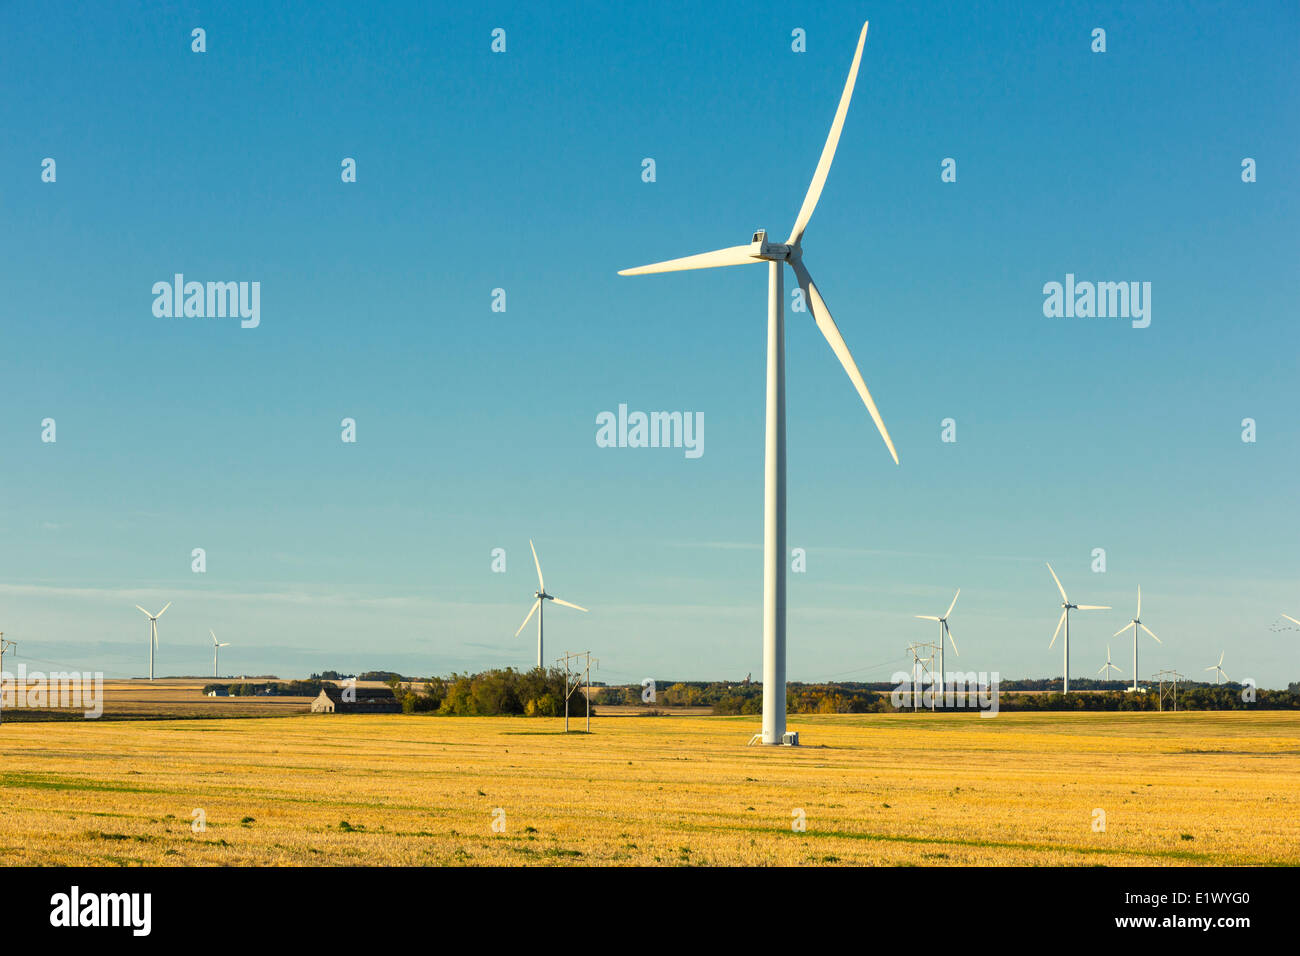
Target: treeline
{"points": [[732, 699], [1196, 697], [384, 676], [494, 693], [287, 688]]}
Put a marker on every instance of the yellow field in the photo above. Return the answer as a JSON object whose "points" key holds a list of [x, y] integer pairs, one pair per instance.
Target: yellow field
{"points": [[1176, 789]]}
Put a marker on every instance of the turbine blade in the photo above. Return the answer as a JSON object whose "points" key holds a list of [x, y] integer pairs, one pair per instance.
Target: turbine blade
{"points": [[954, 602], [541, 585], [1123, 629], [840, 348], [164, 610], [1102, 668], [1058, 629], [1149, 631], [731, 256], [531, 611], [1139, 613], [1291, 619], [952, 640], [1092, 607], [925, 617], [1058, 583], [828, 151], [147, 614], [1212, 667], [1221, 653], [567, 604]]}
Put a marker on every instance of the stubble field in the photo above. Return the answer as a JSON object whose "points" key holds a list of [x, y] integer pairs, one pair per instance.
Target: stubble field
{"points": [[890, 789]]}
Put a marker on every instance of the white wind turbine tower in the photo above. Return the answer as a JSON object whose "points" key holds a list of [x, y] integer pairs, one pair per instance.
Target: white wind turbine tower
{"points": [[943, 630], [1135, 624], [1219, 675], [538, 608], [153, 631], [215, 646], [1106, 668], [1066, 608], [774, 254]]}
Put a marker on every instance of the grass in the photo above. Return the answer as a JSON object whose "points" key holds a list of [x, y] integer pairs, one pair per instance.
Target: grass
{"points": [[887, 789]]}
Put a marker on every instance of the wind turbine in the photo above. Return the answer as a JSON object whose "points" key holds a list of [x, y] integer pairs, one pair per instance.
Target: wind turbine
{"points": [[1219, 675], [1135, 624], [537, 607], [153, 631], [215, 645], [774, 254], [1066, 608], [943, 630], [1108, 666]]}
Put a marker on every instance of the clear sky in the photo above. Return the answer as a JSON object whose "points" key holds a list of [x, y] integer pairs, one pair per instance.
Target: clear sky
{"points": [[476, 429]]}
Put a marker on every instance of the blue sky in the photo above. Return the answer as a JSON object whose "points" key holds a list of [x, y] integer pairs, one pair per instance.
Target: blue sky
{"points": [[476, 429]]}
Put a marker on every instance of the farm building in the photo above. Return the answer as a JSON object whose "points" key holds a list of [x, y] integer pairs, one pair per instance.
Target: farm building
{"points": [[366, 700]]}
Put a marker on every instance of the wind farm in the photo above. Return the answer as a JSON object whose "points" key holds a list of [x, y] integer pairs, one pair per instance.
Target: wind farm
{"points": [[460, 245]]}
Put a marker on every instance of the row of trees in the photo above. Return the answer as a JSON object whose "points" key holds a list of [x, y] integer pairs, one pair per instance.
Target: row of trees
{"points": [[863, 698], [534, 693], [1195, 697], [289, 688]]}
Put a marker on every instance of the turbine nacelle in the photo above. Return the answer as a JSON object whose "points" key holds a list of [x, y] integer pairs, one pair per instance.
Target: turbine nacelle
{"points": [[760, 248]]}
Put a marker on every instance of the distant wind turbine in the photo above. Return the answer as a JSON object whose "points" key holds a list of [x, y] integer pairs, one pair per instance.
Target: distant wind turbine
{"points": [[1219, 675], [1106, 668], [943, 630], [215, 645], [790, 252], [1066, 608], [153, 631], [1135, 624], [537, 607]]}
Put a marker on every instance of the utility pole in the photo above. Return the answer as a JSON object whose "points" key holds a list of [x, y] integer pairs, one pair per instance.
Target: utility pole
{"points": [[579, 677], [4, 646], [918, 660]]}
